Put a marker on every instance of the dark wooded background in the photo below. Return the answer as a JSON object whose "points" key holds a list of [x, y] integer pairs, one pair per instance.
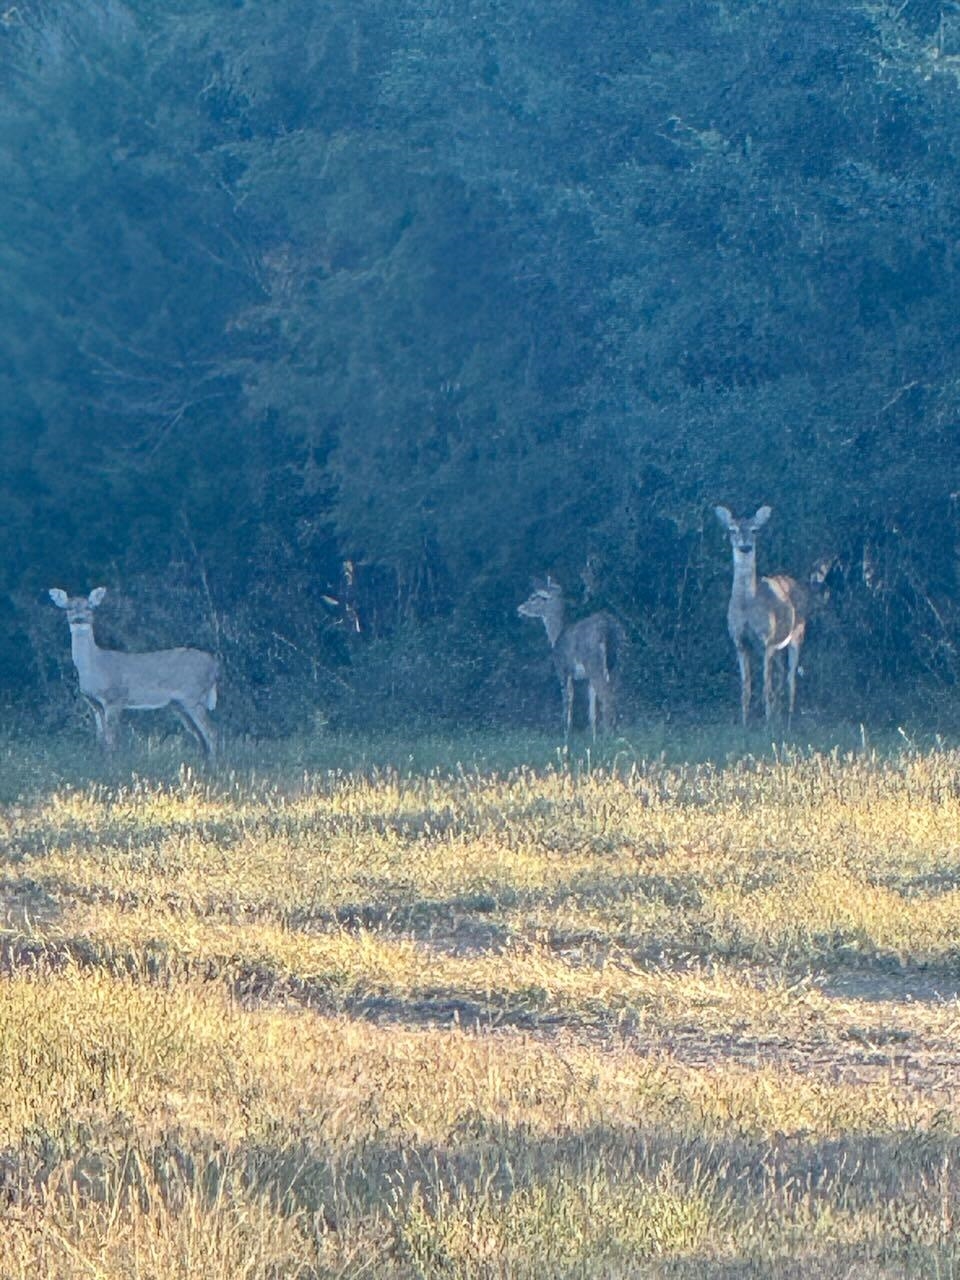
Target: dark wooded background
{"points": [[463, 291]]}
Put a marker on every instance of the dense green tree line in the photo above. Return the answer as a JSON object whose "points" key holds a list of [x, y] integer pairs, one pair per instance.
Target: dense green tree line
{"points": [[461, 292]]}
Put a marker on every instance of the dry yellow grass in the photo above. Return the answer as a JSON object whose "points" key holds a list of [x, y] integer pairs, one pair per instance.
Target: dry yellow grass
{"points": [[668, 1021]]}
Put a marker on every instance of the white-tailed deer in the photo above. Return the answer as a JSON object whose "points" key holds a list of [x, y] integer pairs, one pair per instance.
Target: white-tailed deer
{"points": [[113, 682], [770, 613], [586, 650]]}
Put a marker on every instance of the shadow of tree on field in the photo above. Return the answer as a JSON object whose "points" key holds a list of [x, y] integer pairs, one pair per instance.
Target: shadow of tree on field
{"points": [[893, 982], [491, 920], [497, 915], [860, 1049], [745, 1189], [82, 839], [930, 884], [862, 1171], [487, 910], [25, 904]]}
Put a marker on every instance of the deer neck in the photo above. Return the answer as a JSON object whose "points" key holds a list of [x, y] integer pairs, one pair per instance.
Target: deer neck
{"points": [[83, 649], [744, 574], [553, 624]]}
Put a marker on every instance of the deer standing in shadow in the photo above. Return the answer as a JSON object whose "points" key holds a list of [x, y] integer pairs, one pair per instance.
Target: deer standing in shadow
{"points": [[585, 650], [113, 682], [767, 613]]}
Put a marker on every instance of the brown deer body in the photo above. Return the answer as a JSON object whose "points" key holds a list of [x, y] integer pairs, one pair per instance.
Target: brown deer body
{"points": [[585, 650], [767, 613]]}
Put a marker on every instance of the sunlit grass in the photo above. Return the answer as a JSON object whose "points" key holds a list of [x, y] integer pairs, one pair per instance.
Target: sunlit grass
{"points": [[455, 1011]]}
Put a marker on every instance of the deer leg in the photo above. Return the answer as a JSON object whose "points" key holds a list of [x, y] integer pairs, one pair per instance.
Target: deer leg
{"points": [[208, 733], [180, 711], [743, 658], [793, 662], [592, 705], [768, 655], [608, 709], [198, 722], [566, 685], [97, 710], [607, 701], [110, 716]]}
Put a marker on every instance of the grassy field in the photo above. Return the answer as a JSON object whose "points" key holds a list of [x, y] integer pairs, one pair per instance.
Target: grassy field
{"points": [[686, 1008]]}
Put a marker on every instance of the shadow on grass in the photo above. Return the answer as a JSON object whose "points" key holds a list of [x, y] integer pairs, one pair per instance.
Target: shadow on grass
{"points": [[132, 840], [786, 1207], [869, 1051], [329, 994], [33, 766], [26, 904], [481, 919], [931, 884], [490, 919], [894, 982]]}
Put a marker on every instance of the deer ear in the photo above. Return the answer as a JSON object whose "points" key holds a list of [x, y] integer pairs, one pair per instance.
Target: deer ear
{"points": [[761, 518], [96, 596], [58, 597], [724, 516]]}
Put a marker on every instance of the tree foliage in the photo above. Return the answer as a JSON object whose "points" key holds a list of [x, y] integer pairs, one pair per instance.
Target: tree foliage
{"points": [[454, 293]]}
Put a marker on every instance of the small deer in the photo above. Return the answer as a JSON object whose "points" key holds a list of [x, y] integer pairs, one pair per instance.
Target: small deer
{"points": [[770, 613], [586, 650], [113, 682]]}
